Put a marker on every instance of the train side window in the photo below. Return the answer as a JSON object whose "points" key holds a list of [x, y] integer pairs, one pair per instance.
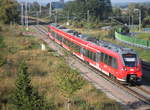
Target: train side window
{"points": [[65, 41], [90, 55], [60, 38], [94, 56], [110, 60], [56, 35], [84, 51], [106, 59], [98, 57], [76, 47], [114, 63], [102, 57], [53, 33], [87, 53]]}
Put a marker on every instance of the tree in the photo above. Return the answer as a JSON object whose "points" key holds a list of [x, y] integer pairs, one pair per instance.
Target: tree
{"points": [[117, 12], [146, 21], [69, 81], [8, 11], [25, 96], [35, 6], [125, 30], [98, 9]]}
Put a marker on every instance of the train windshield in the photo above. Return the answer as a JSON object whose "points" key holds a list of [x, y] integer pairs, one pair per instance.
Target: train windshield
{"points": [[130, 60]]}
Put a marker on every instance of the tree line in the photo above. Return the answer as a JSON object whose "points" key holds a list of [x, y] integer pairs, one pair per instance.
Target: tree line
{"points": [[131, 16], [88, 9], [9, 11]]}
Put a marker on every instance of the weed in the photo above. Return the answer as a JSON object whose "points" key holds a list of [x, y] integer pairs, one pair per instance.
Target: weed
{"points": [[2, 44], [43, 67], [2, 61]]}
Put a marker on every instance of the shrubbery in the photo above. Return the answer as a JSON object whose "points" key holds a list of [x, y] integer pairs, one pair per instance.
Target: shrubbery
{"points": [[25, 96], [2, 45], [8, 11]]}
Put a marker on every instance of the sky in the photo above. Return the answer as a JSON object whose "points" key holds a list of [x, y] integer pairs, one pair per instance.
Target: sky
{"points": [[121, 1], [113, 1]]}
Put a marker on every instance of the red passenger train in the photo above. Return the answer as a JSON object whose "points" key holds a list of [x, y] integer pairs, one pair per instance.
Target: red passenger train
{"points": [[115, 61]]}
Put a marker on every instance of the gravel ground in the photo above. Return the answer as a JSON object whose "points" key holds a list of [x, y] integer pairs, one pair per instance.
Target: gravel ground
{"points": [[121, 96]]}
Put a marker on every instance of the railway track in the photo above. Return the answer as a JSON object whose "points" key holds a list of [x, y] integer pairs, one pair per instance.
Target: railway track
{"points": [[130, 90]]}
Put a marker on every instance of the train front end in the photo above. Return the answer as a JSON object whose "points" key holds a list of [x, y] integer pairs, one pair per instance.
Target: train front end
{"points": [[131, 68]]}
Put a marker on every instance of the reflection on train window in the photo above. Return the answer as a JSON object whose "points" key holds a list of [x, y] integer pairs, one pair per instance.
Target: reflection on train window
{"points": [[72, 45], [106, 59], [98, 56], [91, 55], [110, 60], [102, 57], [130, 60], [114, 63], [53, 33], [58, 37]]}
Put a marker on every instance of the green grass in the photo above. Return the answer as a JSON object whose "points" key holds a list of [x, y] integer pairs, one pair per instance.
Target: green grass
{"points": [[144, 36]]}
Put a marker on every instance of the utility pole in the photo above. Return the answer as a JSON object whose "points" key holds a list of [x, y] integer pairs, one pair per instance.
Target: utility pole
{"points": [[68, 16], [132, 22], [37, 15], [50, 8], [40, 10], [140, 22], [88, 16], [22, 13], [129, 21], [56, 17], [26, 15]]}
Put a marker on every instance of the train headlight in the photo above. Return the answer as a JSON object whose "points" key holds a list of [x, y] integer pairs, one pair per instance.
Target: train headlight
{"points": [[124, 68]]}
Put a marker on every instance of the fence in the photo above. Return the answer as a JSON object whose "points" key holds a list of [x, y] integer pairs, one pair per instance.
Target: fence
{"points": [[133, 41]]}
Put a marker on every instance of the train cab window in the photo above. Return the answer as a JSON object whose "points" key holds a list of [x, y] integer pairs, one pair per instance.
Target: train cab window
{"points": [[114, 63], [129, 60]]}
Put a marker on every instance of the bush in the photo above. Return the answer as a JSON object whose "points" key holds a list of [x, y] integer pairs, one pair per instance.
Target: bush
{"points": [[78, 24], [25, 96], [2, 61], [1, 28], [2, 45]]}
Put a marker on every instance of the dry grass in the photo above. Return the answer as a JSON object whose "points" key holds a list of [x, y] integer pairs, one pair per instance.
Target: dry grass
{"points": [[43, 65]]}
